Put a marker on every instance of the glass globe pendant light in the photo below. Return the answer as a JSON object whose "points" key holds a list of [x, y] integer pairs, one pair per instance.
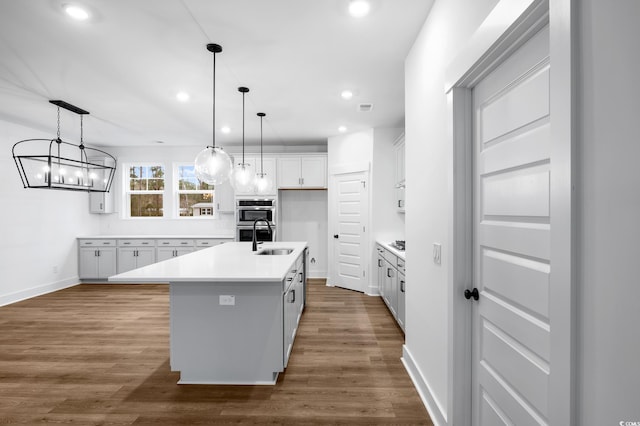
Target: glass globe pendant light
{"points": [[212, 164], [243, 174], [263, 183]]}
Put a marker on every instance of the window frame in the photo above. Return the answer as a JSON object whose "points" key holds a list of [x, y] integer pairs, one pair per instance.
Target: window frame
{"points": [[127, 191], [178, 192]]}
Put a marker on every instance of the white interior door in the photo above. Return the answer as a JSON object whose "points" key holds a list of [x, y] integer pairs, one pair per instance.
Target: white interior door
{"points": [[511, 341], [349, 227]]}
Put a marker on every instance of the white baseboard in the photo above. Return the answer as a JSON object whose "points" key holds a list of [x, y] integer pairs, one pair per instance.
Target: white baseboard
{"points": [[8, 299], [438, 417]]}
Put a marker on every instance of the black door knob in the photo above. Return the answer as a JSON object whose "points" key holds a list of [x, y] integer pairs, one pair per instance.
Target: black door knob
{"points": [[468, 294], [335, 235]]}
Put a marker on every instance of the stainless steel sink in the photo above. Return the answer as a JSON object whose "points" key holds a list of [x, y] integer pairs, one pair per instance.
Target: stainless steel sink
{"points": [[275, 251]]}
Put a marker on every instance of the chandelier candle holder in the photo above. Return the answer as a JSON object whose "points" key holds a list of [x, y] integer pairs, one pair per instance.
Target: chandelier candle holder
{"points": [[57, 164]]}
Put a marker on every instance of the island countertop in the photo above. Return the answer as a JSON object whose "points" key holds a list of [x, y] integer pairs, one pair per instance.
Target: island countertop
{"points": [[229, 262]]}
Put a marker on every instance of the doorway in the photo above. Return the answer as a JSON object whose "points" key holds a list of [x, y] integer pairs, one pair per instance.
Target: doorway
{"points": [[349, 212]]}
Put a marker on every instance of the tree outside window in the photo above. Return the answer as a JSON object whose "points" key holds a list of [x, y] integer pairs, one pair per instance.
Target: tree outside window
{"points": [[195, 198], [145, 191]]}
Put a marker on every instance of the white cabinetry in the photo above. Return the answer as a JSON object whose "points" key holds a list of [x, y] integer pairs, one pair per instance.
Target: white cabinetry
{"points": [[305, 171], [391, 283], [400, 173], [166, 249], [293, 302], [268, 167], [96, 258], [100, 258], [224, 198], [134, 254], [101, 202]]}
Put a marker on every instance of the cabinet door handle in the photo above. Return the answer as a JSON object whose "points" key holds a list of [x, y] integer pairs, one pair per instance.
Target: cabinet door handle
{"points": [[293, 292], [302, 179], [389, 272], [379, 263], [300, 274], [402, 286], [100, 206]]}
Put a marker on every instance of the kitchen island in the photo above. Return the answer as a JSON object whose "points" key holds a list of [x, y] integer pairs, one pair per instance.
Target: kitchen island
{"points": [[233, 312]]}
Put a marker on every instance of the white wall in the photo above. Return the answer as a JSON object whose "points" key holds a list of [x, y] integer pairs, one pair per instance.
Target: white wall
{"points": [[303, 217], [449, 26], [609, 213], [371, 150], [607, 210], [38, 251], [170, 224]]}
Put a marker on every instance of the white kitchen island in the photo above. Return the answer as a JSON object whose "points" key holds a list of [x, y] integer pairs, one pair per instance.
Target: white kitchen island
{"points": [[233, 312]]}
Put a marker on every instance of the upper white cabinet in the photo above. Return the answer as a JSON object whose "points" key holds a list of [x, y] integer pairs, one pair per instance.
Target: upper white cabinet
{"points": [[303, 171], [268, 167], [224, 198], [101, 202], [400, 173]]}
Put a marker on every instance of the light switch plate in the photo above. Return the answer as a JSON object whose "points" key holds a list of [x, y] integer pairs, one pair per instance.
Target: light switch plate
{"points": [[227, 300], [437, 253]]}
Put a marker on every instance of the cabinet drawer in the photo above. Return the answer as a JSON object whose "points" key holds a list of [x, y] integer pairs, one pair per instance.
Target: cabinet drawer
{"points": [[175, 243], [137, 243], [97, 243], [400, 265], [209, 242], [391, 258]]}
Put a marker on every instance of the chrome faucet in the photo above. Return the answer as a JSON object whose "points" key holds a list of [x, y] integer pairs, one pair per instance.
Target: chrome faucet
{"points": [[255, 242]]}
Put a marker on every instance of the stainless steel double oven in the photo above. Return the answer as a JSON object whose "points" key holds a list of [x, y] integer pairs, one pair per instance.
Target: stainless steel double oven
{"points": [[250, 209]]}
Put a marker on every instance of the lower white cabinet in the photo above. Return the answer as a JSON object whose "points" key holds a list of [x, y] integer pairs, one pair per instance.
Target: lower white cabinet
{"points": [[169, 248], [391, 283], [96, 259], [293, 304], [99, 258], [133, 257]]}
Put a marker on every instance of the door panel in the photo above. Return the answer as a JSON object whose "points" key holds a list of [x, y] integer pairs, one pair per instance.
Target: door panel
{"points": [[511, 348], [350, 220]]}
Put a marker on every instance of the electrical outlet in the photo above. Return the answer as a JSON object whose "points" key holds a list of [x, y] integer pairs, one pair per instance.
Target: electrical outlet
{"points": [[437, 253], [227, 300]]}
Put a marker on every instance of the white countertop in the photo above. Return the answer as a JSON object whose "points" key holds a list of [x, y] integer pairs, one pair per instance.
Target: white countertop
{"points": [[221, 235], [387, 246], [229, 262]]}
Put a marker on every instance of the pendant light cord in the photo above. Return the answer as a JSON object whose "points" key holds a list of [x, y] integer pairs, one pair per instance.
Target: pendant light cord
{"points": [[261, 161], [214, 102], [243, 129]]}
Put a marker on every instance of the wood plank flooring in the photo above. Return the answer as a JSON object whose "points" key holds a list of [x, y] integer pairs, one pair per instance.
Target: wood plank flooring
{"points": [[99, 355]]}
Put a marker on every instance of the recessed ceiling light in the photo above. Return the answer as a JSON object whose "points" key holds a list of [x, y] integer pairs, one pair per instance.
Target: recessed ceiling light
{"points": [[346, 94], [225, 129], [359, 8], [76, 12], [342, 129], [182, 96]]}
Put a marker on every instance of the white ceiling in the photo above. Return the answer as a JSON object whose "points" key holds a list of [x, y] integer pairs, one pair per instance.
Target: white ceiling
{"points": [[126, 64]]}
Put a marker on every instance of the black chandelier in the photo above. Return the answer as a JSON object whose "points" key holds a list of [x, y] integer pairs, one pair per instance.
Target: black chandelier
{"points": [[63, 165]]}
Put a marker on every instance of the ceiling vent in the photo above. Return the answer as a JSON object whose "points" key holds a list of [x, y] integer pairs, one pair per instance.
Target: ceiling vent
{"points": [[365, 107]]}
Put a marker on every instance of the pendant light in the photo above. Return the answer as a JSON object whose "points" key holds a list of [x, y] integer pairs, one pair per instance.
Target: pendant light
{"points": [[212, 164], [63, 165], [243, 174], [263, 183]]}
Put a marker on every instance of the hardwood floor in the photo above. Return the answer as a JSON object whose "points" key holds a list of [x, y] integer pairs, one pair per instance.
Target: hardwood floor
{"points": [[99, 354]]}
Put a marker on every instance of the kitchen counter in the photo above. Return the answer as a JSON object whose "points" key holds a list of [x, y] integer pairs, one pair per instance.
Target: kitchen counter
{"points": [[220, 235], [388, 246], [233, 314], [230, 262]]}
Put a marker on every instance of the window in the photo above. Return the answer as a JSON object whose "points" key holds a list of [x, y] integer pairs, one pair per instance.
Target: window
{"points": [[195, 198], [145, 190]]}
